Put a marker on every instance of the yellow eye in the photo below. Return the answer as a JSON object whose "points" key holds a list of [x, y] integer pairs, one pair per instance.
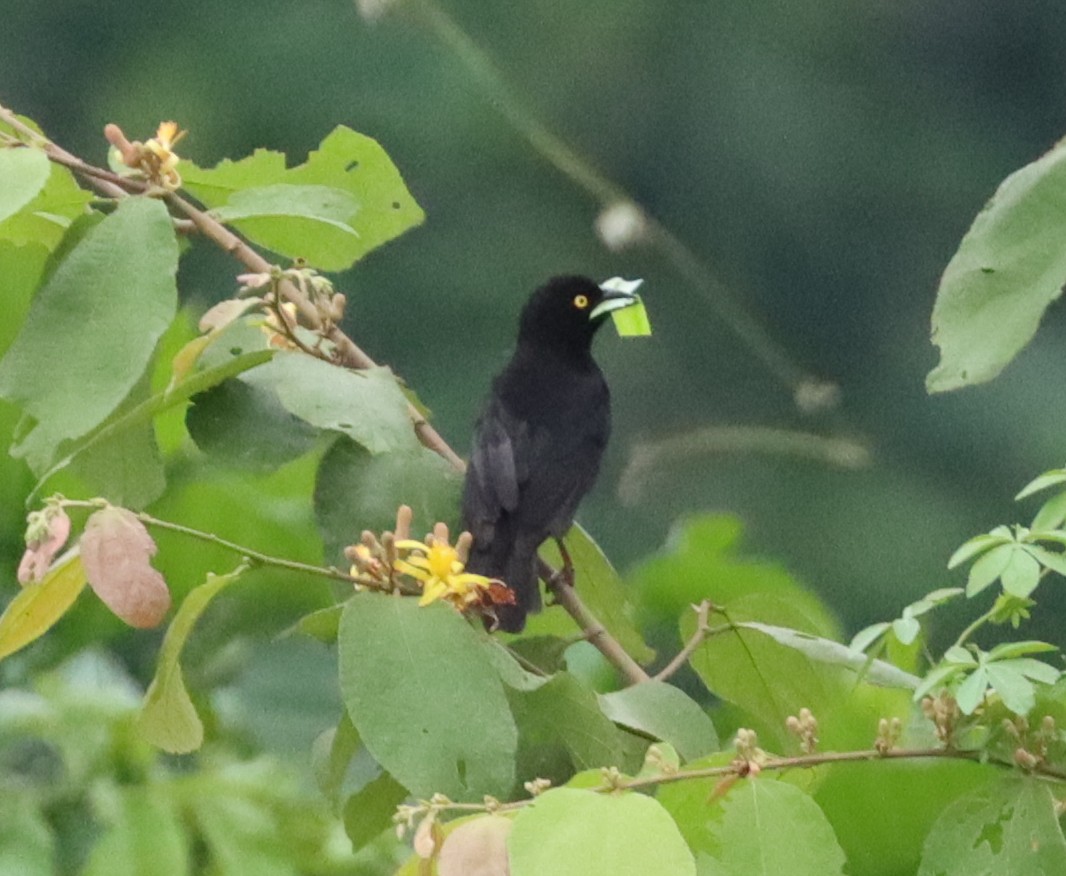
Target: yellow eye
{"points": [[581, 301]]}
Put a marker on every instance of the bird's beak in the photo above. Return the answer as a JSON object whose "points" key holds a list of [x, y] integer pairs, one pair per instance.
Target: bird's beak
{"points": [[617, 294]]}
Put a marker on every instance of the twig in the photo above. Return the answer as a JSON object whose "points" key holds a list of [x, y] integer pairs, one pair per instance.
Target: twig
{"points": [[594, 631], [703, 611], [741, 768]]}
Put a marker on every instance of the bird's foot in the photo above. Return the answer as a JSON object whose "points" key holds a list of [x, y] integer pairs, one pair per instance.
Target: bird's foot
{"points": [[565, 575]]}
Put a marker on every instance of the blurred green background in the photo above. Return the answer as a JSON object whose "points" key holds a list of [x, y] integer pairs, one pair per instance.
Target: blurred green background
{"points": [[824, 159]]}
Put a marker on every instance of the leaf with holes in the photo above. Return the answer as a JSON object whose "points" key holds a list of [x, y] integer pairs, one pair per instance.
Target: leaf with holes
{"points": [[1009, 826], [348, 190]]}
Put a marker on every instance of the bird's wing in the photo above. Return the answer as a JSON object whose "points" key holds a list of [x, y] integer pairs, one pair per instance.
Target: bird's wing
{"points": [[495, 460]]}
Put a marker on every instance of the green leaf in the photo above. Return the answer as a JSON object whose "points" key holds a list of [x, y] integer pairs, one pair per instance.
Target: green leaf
{"points": [[663, 712], [44, 220], [427, 705], [331, 755], [105, 307], [567, 832], [1021, 575], [381, 208], [881, 824], [1008, 269], [369, 811], [972, 691], [144, 834], [561, 729], [632, 321], [987, 569], [766, 828], [976, 545], [115, 428], [1016, 691], [760, 675], [247, 426], [23, 173], [307, 222], [1054, 561], [367, 405], [1048, 479], [834, 653], [906, 629], [1008, 826], [1009, 650], [168, 718], [1052, 513], [22, 268], [601, 589], [936, 678], [511, 672], [547, 653], [932, 600], [357, 490], [322, 624], [127, 469], [36, 607], [865, 637], [1034, 669]]}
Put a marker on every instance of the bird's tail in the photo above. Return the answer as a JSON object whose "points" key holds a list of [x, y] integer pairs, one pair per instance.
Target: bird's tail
{"points": [[517, 568], [521, 577]]}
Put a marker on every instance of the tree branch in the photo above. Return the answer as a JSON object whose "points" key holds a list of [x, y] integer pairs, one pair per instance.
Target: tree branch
{"points": [[566, 596], [703, 611]]}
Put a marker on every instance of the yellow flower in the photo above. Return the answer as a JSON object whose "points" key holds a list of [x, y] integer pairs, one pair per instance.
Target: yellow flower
{"points": [[437, 565], [160, 160]]}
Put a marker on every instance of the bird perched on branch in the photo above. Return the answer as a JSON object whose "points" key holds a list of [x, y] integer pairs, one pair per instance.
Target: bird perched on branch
{"points": [[540, 438]]}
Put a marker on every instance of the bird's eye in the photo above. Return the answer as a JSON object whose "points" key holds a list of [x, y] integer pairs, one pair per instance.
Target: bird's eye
{"points": [[581, 301]]}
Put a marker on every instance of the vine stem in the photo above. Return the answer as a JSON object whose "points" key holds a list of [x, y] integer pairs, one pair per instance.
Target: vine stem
{"points": [[349, 354]]}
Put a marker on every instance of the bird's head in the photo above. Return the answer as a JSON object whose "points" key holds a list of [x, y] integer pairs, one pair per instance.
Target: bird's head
{"points": [[566, 311]]}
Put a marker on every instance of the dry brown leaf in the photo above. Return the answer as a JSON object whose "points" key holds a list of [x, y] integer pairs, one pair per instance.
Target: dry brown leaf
{"points": [[115, 550]]}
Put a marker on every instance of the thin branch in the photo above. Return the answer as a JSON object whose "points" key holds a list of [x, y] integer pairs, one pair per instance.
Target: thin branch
{"points": [[597, 635], [741, 768], [703, 611]]}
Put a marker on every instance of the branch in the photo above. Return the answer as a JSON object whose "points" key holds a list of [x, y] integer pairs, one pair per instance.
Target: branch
{"points": [[566, 596], [741, 768], [703, 611]]}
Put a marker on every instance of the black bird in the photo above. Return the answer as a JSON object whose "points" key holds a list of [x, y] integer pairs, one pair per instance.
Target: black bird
{"points": [[539, 441]]}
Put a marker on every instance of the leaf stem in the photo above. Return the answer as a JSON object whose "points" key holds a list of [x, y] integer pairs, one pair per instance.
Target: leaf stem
{"points": [[974, 627], [742, 768]]}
